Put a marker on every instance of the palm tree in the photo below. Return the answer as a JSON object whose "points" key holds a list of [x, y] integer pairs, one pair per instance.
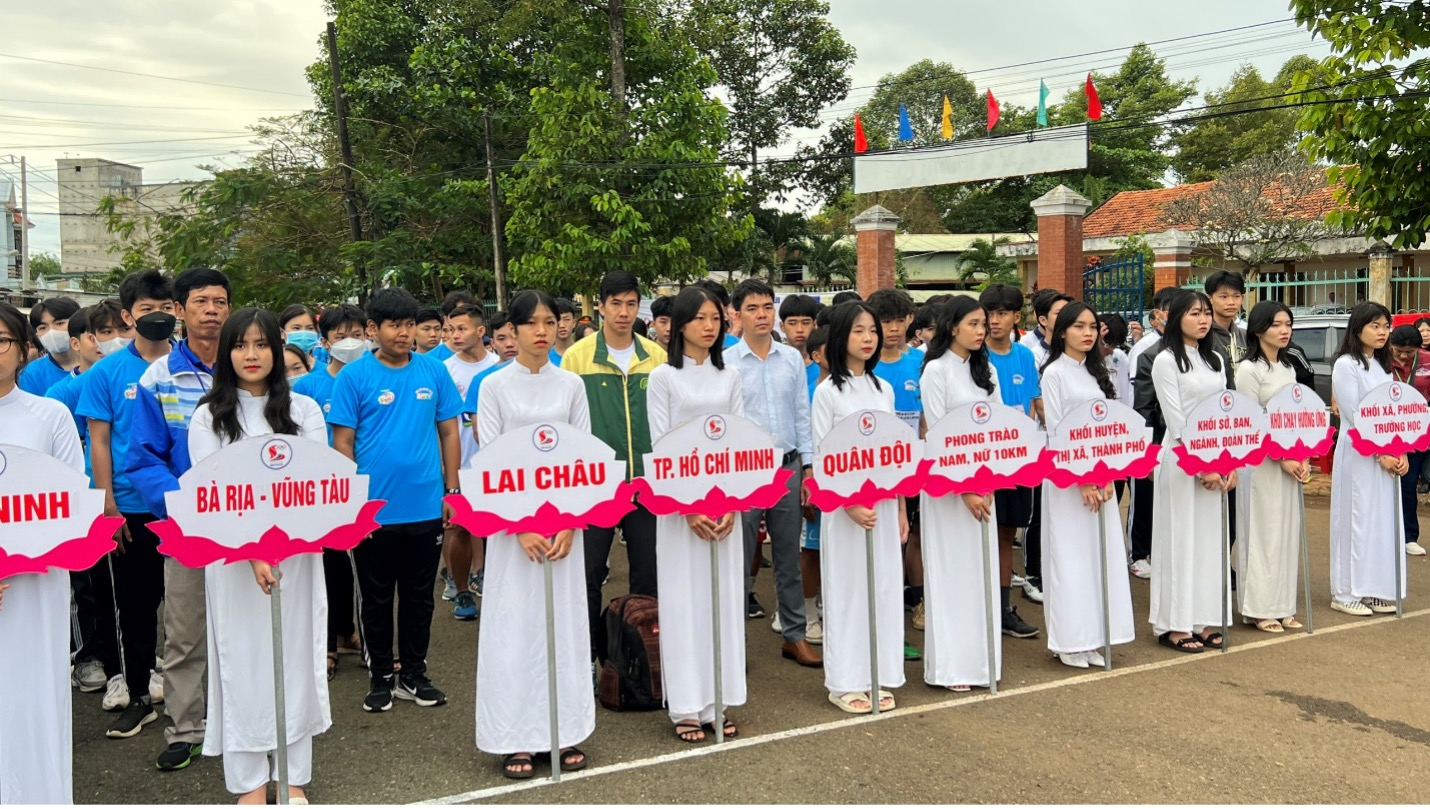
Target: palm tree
{"points": [[780, 229], [827, 257], [982, 259]]}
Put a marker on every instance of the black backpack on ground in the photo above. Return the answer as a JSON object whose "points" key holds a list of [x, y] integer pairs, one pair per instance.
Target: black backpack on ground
{"points": [[630, 678]]}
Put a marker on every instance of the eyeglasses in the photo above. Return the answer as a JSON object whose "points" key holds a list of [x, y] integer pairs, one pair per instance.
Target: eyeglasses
{"points": [[7, 343]]}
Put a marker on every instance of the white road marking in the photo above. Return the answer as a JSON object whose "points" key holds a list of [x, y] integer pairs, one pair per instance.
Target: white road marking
{"points": [[853, 721]]}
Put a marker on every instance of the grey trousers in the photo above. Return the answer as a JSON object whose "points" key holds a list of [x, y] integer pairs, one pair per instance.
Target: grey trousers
{"points": [[784, 524], [186, 652]]}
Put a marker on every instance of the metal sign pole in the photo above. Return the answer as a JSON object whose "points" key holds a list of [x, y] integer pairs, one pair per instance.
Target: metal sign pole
{"points": [[1106, 597], [1225, 573], [1306, 565], [988, 604], [553, 713], [873, 625], [280, 710], [715, 637]]}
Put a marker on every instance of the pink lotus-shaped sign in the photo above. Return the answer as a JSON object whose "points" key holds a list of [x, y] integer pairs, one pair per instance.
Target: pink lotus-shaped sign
{"points": [[267, 499], [49, 516], [1298, 425], [1098, 442], [867, 457], [1392, 419], [1224, 432], [712, 465], [542, 479], [981, 447]]}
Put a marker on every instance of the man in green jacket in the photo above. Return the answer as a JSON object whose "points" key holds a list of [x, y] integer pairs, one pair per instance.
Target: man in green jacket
{"points": [[615, 363]]}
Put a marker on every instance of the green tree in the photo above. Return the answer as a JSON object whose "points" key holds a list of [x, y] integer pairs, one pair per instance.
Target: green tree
{"points": [[1369, 121], [781, 62], [829, 258], [981, 261], [1237, 133], [641, 189], [44, 265]]}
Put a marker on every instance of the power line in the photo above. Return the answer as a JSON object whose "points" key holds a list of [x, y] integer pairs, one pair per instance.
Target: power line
{"points": [[150, 75], [147, 106], [114, 142]]}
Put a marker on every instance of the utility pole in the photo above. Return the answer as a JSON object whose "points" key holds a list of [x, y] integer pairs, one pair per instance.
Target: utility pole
{"points": [[26, 280], [498, 263], [340, 111]]}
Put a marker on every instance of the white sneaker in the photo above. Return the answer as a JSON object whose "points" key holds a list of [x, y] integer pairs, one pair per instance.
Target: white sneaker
{"points": [[1032, 591], [1141, 568], [1094, 658], [1015, 581], [1077, 660], [116, 694], [1414, 549], [156, 687], [1378, 605], [87, 676], [776, 625], [814, 632], [1351, 607]]}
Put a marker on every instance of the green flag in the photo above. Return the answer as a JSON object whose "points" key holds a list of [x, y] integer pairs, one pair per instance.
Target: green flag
{"points": [[1042, 103]]}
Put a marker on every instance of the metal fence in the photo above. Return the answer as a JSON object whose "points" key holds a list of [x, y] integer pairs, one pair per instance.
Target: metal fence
{"points": [[1116, 287], [1316, 292]]}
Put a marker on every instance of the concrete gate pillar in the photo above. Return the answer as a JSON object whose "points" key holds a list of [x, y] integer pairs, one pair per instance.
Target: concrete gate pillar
{"points": [[1060, 258]]}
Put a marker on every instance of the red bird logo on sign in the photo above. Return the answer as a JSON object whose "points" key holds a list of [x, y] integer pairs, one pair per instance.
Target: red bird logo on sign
{"points": [[715, 428], [544, 439], [1394, 393], [1226, 401], [276, 453], [866, 423], [1296, 394], [981, 413], [1099, 410]]}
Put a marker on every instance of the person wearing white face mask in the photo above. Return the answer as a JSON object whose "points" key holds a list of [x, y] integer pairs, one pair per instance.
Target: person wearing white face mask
{"points": [[342, 329], [50, 321]]}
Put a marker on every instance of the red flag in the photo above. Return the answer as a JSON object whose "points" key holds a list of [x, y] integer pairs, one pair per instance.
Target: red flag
{"points": [[861, 144], [992, 111], [1094, 103]]}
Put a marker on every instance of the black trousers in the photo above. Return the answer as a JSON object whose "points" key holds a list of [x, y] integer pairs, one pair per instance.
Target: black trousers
{"points": [[1408, 497], [1033, 538], [338, 575], [400, 560], [94, 605], [1141, 520], [139, 588], [638, 527]]}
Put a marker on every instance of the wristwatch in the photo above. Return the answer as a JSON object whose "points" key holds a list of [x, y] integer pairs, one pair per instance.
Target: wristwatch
{"points": [[455, 490]]}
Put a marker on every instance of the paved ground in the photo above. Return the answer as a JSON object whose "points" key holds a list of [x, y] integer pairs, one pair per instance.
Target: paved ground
{"points": [[1335, 717]]}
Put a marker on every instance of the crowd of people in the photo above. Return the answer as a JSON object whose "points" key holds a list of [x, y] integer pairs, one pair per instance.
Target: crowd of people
{"points": [[412, 393]]}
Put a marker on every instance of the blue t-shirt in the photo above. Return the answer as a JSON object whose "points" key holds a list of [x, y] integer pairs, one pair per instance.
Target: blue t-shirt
{"points": [[318, 386], [66, 392], [730, 340], [107, 394], [811, 378], [440, 353], [394, 412], [553, 357], [1017, 377], [903, 377], [470, 406], [37, 377]]}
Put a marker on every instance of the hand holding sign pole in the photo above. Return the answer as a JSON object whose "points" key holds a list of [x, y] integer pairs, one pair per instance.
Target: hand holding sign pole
{"points": [[1298, 429], [979, 448], [514, 486], [1101, 441], [267, 499], [712, 466], [867, 457], [1392, 419], [1224, 432]]}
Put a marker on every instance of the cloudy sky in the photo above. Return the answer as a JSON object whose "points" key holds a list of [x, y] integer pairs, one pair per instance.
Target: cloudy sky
{"points": [[244, 59]]}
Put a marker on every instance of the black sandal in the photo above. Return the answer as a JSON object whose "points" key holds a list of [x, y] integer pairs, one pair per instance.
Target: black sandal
{"points": [[568, 766], [686, 727], [1212, 641], [518, 759], [709, 727], [1184, 645], [332, 665]]}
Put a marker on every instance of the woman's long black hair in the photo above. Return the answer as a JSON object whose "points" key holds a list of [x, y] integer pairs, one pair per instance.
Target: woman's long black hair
{"points": [[19, 328], [836, 349], [524, 305], [1363, 315], [1093, 361], [949, 316], [1261, 317], [683, 310], [1175, 342], [223, 398]]}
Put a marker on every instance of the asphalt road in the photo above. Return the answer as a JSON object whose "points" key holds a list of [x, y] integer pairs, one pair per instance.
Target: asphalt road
{"points": [[1335, 717]]}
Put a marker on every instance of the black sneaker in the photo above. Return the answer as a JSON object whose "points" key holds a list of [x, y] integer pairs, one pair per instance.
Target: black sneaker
{"points": [[753, 609], [178, 756], [1015, 627], [419, 689], [132, 719], [379, 695]]}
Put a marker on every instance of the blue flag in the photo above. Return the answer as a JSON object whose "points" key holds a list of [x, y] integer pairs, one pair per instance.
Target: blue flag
{"points": [[906, 130]]}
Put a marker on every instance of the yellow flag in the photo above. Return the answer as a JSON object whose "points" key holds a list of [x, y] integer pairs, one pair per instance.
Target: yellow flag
{"points": [[947, 119]]}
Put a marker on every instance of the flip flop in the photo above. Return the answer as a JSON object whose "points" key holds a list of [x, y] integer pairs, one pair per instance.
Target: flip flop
{"points": [[709, 727], [845, 702], [1291, 623], [573, 751], [518, 758], [1184, 645], [1270, 625], [685, 727], [1211, 641], [886, 696]]}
